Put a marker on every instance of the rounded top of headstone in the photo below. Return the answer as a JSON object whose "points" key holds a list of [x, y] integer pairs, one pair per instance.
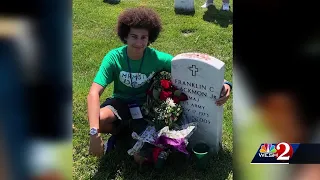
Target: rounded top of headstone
{"points": [[194, 55], [202, 57]]}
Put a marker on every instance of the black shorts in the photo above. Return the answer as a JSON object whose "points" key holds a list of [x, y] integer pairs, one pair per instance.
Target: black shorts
{"points": [[124, 125], [121, 110]]}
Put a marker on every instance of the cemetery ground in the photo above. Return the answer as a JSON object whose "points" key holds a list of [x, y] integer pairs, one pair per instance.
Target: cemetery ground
{"points": [[208, 31]]}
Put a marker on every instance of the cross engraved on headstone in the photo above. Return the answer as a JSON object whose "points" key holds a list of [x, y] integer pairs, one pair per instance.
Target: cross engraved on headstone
{"points": [[194, 70]]}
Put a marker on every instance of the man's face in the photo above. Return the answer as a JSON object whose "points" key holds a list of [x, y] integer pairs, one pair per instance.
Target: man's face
{"points": [[137, 40]]}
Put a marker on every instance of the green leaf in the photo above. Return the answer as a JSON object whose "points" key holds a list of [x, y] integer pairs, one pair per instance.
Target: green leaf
{"points": [[156, 94], [177, 93]]}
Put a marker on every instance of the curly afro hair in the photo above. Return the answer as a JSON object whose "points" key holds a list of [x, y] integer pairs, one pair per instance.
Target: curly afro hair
{"points": [[142, 18]]}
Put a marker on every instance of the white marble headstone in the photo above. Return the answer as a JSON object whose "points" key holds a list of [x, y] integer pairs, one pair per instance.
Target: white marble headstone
{"points": [[201, 78], [184, 5]]}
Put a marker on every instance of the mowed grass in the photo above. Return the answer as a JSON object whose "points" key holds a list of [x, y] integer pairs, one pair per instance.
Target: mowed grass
{"points": [[94, 35]]}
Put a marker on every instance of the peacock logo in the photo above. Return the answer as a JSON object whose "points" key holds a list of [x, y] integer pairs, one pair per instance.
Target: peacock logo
{"points": [[268, 148]]}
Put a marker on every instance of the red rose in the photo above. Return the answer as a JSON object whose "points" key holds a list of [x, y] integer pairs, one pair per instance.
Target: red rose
{"points": [[155, 153], [164, 95], [165, 84], [183, 97], [176, 99]]}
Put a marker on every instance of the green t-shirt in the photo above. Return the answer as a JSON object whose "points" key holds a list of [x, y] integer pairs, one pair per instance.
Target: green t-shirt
{"points": [[114, 68]]}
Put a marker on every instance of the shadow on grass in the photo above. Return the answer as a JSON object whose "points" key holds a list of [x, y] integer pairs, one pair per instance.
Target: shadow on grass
{"points": [[119, 164], [223, 18], [112, 2], [179, 11]]}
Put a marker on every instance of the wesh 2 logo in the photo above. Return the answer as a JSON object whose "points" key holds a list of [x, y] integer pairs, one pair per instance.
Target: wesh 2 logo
{"points": [[282, 151]]}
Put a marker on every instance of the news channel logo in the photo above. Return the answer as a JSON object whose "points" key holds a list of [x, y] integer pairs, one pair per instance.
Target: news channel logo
{"points": [[273, 154]]}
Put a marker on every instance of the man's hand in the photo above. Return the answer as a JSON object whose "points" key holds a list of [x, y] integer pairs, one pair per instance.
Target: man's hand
{"points": [[224, 95], [96, 145]]}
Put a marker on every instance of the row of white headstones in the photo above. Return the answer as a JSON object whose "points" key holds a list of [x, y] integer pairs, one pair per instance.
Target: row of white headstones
{"points": [[201, 78]]}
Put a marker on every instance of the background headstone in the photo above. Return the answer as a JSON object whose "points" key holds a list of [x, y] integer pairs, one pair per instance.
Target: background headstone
{"points": [[201, 78], [184, 6]]}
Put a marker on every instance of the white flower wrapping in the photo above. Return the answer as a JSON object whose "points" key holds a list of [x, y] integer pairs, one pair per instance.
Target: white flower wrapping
{"points": [[150, 136]]}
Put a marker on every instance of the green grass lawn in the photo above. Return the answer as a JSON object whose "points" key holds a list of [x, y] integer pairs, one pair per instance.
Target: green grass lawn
{"points": [[94, 35]]}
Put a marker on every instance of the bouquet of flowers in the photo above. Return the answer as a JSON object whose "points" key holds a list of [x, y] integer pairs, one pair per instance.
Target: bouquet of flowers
{"points": [[162, 107], [165, 130]]}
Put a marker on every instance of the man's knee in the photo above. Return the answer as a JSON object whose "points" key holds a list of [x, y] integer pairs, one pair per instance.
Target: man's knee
{"points": [[106, 115], [106, 120]]}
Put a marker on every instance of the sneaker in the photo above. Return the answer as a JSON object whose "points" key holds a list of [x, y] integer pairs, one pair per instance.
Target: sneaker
{"points": [[110, 144], [206, 5], [225, 7]]}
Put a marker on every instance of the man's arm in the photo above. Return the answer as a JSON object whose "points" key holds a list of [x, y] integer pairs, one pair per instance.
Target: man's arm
{"points": [[93, 100], [103, 77]]}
